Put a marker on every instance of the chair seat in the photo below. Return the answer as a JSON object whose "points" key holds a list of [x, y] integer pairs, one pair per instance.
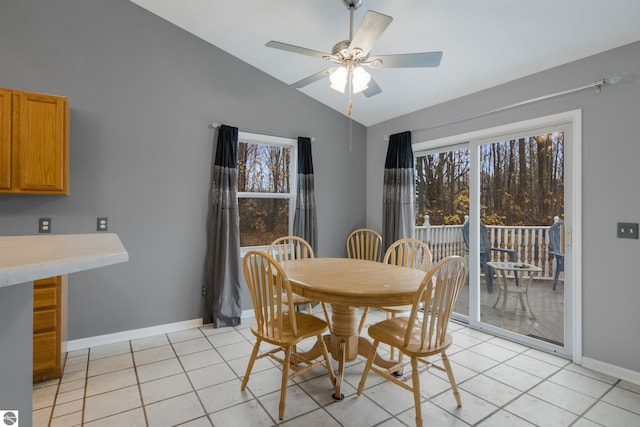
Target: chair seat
{"points": [[396, 309], [308, 326], [392, 332], [298, 300]]}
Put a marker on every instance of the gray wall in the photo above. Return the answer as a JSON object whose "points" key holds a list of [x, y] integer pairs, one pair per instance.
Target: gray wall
{"points": [[141, 93], [611, 128]]}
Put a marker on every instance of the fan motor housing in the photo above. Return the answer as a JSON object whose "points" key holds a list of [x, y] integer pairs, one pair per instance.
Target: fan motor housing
{"points": [[341, 48], [352, 4]]}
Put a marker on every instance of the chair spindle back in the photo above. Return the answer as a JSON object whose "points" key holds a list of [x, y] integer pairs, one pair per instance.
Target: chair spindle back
{"points": [[365, 243], [408, 252], [270, 293], [288, 248], [437, 294]]}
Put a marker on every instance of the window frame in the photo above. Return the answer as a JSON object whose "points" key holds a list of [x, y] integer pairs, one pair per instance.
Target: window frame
{"points": [[292, 144]]}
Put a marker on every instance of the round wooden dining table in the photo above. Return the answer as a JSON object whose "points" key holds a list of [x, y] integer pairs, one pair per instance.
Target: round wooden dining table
{"points": [[346, 284]]}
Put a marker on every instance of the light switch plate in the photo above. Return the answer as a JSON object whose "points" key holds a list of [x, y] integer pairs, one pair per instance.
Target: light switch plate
{"points": [[627, 230]]}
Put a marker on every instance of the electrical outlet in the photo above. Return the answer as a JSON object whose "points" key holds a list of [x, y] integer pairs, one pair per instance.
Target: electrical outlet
{"points": [[44, 225], [627, 230], [103, 223]]}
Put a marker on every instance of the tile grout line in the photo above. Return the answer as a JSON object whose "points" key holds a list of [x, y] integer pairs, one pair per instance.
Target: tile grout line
{"points": [[55, 398], [477, 374], [276, 422], [204, 408], [86, 384], [139, 383], [185, 372]]}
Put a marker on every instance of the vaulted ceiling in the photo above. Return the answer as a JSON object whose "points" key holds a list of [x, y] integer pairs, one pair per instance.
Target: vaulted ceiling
{"points": [[484, 42]]}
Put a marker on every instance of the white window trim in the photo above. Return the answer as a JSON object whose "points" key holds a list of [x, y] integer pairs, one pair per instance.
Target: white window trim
{"points": [[292, 143]]}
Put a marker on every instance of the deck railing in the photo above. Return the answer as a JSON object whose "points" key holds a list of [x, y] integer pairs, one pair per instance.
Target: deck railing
{"points": [[531, 243]]}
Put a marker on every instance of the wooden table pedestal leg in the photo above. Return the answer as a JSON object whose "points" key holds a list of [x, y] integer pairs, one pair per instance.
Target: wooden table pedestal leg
{"points": [[343, 342], [345, 345]]}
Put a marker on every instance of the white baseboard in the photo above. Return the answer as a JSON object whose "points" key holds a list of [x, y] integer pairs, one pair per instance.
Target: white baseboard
{"points": [[246, 314], [133, 334], [611, 370], [82, 343]]}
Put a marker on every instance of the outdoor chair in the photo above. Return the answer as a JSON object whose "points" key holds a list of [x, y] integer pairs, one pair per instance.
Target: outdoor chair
{"points": [[288, 248], [421, 334], [485, 253], [364, 243], [279, 324], [556, 238]]}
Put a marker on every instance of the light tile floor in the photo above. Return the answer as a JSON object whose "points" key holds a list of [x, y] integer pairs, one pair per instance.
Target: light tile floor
{"points": [[193, 377]]}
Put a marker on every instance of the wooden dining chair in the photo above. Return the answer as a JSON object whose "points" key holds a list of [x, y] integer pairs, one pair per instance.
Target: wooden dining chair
{"points": [[288, 248], [278, 323], [421, 334], [410, 253], [364, 243]]}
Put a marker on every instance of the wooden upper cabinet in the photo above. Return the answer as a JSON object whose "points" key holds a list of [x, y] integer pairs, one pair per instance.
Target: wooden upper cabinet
{"points": [[5, 139], [38, 141]]}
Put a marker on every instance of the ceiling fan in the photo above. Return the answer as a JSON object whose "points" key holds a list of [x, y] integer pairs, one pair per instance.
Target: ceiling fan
{"points": [[351, 55]]}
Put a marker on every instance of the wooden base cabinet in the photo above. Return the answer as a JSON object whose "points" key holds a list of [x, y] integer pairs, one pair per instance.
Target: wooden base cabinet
{"points": [[49, 327], [34, 143]]}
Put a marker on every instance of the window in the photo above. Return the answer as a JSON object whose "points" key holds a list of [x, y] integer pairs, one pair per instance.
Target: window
{"points": [[266, 186], [442, 186]]}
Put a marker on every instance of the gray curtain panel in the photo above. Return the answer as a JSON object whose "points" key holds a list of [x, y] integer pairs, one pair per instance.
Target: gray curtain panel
{"points": [[398, 200], [222, 262], [305, 222]]}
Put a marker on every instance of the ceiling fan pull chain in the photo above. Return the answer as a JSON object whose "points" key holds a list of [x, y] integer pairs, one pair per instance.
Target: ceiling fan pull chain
{"points": [[350, 85]]}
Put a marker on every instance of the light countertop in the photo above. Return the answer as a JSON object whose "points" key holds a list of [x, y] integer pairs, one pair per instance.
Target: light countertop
{"points": [[28, 258]]}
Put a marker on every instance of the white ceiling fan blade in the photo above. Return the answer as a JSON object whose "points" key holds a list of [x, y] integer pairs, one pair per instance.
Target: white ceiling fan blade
{"points": [[296, 49], [312, 78], [372, 89], [423, 59], [371, 28]]}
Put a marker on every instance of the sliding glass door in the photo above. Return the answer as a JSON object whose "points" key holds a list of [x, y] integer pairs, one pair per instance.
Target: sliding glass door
{"points": [[506, 199], [521, 194], [442, 204]]}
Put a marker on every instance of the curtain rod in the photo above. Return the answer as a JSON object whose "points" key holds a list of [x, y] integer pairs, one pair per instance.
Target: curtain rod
{"points": [[217, 125], [598, 84]]}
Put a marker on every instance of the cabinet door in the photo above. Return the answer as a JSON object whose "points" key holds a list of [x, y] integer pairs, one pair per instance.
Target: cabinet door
{"points": [[5, 139], [47, 328], [40, 142], [46, 356]]}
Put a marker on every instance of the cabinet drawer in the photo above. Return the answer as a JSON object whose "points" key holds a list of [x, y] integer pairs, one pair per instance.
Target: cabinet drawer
{"points": [[46, 354], [44, 320], [45, 296]]}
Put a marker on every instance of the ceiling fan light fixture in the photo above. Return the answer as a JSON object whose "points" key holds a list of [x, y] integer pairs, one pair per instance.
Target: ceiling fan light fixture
{"points": [[360, 79], [339, 79]]}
